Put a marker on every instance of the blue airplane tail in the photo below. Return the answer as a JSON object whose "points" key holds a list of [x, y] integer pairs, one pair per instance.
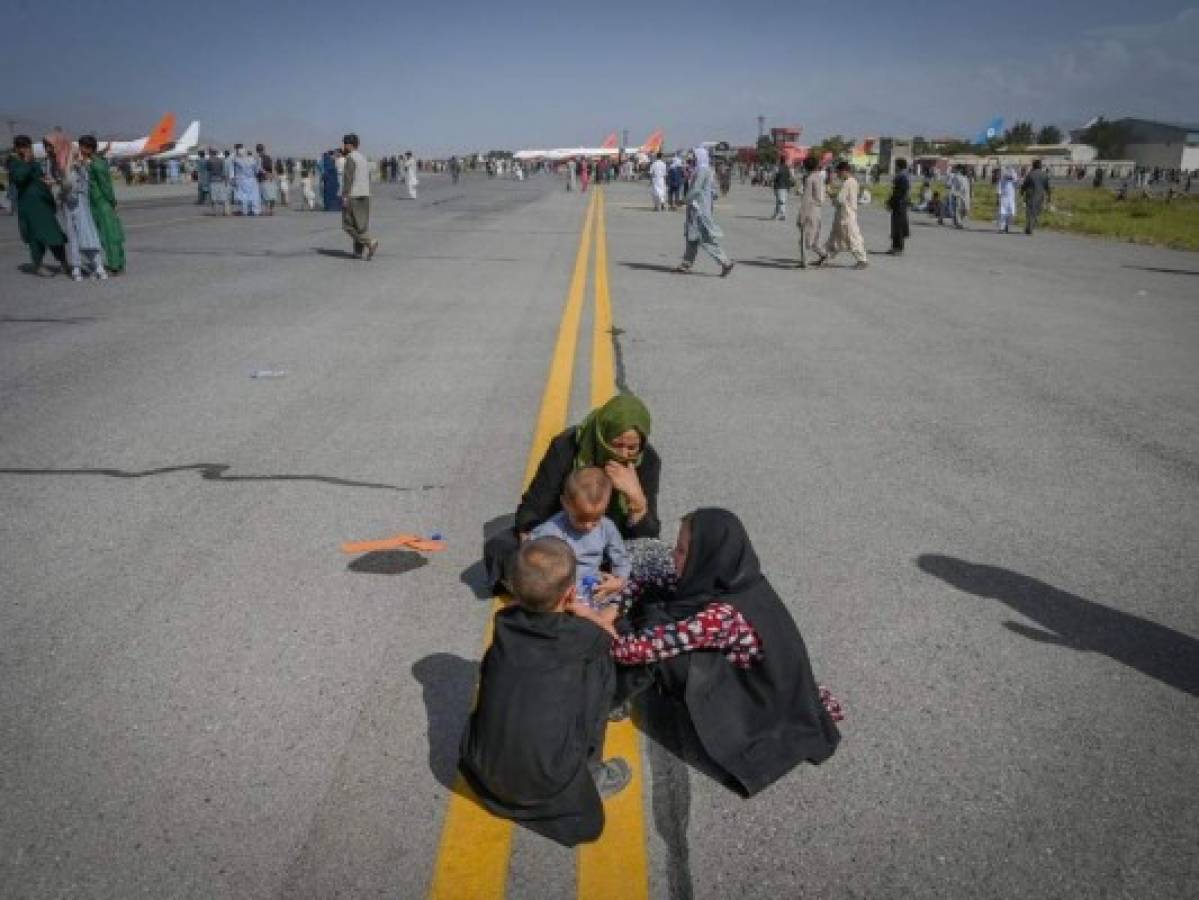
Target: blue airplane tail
{"points": [[992, 131]]}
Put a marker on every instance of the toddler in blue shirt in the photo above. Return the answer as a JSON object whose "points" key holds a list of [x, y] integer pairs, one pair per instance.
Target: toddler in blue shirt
{"points": [[592, 536]]}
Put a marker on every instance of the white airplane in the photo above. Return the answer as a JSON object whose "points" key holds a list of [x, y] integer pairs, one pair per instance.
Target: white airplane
{"points": [[183, 146], [609, 148], [151, 143]]}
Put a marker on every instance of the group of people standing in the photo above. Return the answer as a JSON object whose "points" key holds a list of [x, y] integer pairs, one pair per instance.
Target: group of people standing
{"points": [[67, 207], [667, 182], [249, 179], [958, 186], [393, 169], [252, 183]]}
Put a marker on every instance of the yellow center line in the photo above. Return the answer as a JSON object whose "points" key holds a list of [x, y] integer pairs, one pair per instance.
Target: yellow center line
{"points": [[472, 859], [615, 866]]}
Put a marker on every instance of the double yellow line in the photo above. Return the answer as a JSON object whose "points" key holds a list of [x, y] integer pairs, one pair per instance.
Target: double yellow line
{"points": [[472, 860]]}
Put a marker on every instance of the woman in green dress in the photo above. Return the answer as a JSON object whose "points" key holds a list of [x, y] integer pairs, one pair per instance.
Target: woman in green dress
{"points": [[104, 206], [36, 215]]}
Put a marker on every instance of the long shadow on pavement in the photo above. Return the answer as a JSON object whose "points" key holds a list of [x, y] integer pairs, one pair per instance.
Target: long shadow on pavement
{"points": [[65, 320], [216, 472], [657, 267], [1164, 271], [769, 263], [1076, 623], [449, 694], [672, 747]]}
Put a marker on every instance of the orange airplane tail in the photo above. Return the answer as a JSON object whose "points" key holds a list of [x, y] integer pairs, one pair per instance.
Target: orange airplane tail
{"points": [[609, 142], [653, 143], [161, 135]]}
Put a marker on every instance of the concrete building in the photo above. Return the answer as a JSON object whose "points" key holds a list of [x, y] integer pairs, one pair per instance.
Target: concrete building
{"points": [[1158, 144], [891, 149]]}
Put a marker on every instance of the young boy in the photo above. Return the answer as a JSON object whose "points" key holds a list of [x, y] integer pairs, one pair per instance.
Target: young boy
{"points": [[592, 536], [532, 748]]}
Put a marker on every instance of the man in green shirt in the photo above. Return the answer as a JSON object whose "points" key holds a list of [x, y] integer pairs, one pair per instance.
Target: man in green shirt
{"points": [[35, 206]]}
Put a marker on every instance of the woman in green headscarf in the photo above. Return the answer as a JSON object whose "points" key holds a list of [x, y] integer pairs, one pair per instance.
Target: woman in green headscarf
{"points": [[615, 437]]}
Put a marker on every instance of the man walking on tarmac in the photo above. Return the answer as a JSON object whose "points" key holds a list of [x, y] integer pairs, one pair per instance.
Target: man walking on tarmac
{"points": [[356, 198], [783, 182], [813, 195], [1036, 193]]}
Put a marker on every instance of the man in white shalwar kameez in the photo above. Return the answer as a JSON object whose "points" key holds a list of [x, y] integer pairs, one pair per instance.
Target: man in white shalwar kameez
{"points": [[1007, 199], [657, 180], [845, 233], [811, 208], [410, 174]]}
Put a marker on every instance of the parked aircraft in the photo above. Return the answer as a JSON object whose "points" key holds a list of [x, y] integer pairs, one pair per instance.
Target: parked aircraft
{"points": [[651, 146], [182, 147], [157, 139], [993, 131]]}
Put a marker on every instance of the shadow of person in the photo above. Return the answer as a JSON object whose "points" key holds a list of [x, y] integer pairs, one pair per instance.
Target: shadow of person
{"points": [[387, 562], [449, 694], [474, 577], [672, 742], [1072, 621], [654, 267], [338, 254], [499, 539], [768, 264], [666, 722]]}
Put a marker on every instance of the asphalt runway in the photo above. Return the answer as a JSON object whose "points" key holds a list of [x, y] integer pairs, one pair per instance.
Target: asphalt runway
{"points": [[972, 473]]}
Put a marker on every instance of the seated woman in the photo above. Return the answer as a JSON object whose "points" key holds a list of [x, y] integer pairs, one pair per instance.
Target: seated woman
{"points": [[725, 645], [614, 437]]}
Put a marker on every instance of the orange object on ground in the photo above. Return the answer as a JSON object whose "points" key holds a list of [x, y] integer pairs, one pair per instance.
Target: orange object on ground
{"points": [[395, 542]]}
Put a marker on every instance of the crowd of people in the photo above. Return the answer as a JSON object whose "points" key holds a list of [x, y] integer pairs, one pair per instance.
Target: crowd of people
{"points": [[252, 182], [693, 184]]}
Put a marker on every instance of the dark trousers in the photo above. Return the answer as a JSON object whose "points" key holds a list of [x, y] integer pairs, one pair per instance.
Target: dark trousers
{"points": [[900, 231], [37, 252], [499, 553], [1032, 211]]}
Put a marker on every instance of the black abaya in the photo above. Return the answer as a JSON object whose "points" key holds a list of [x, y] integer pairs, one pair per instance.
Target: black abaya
{"points": [[756, 724], [544, 695]]}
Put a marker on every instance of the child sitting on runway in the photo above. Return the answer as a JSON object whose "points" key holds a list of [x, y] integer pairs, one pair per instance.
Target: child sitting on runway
{"points": [[532, 750], [592, 536]]}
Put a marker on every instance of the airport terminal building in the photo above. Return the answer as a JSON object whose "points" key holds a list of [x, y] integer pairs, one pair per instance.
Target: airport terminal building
{"points": [[1159, 144]]}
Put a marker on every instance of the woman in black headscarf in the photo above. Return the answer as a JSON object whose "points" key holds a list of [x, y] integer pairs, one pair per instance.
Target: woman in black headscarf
{"points": [[725, 645]]}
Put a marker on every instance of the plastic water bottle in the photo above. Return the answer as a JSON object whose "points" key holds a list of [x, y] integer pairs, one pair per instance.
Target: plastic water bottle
{"points": [[269, 373], [590, 583]]}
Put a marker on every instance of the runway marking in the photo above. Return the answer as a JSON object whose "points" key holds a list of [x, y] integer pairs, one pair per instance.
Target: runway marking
{"points": [[615, 866], [472, 859]]}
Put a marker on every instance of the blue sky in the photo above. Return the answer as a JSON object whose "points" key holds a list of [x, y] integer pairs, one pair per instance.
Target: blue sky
{"points": [[467, 76]]}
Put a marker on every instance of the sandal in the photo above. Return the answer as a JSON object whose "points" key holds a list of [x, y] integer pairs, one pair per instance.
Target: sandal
{"points": [[682, 268]]}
